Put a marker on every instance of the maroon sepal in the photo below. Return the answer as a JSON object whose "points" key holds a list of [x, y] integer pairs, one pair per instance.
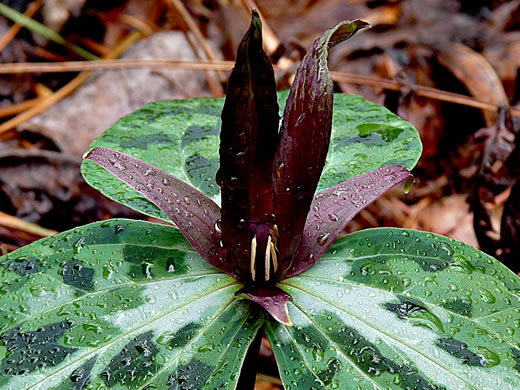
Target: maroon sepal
{"points": [[272, 299], [305, 137], [193, 212], [333, 208]]}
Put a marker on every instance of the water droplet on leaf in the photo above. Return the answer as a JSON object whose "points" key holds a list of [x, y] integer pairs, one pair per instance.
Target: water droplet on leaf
{"points": [[322, 238]]}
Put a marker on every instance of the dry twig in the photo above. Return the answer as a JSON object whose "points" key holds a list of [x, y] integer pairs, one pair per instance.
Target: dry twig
{"points": [[19, 224], [342, 77], [66, 89]]}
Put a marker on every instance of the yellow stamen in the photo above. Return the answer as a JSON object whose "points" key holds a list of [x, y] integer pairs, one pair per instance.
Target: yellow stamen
{"points": [[253, 258], [274, 256], [268, 258], [274, 248], [275, 235]]}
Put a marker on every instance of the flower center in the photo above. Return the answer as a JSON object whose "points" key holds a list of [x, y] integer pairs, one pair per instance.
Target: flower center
{"points": [[264, 251]]}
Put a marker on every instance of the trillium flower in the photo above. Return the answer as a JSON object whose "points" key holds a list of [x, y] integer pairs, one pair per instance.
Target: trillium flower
{"points": [[272, 224]]}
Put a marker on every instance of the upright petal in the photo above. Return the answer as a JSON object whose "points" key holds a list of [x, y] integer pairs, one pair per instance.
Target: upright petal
{"points": [[305, 137], [333, 208], [248, 142], [193, 212]]}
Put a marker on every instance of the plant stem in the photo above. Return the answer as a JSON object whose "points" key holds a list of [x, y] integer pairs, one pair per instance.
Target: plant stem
{"points": [[248, 373]]}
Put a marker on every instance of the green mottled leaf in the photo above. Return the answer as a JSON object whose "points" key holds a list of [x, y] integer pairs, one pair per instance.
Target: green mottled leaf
{"points": [[182, 138], [120, 304], [395, 309]]}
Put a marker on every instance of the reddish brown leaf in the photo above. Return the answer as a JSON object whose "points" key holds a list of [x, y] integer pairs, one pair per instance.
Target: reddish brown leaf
{"points": [[333, 208], [272, 299], [248, 141], [305, 137], [193, 212]]}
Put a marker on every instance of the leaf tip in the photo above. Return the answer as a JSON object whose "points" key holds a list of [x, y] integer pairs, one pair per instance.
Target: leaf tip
{"points": [[361, 24], [256, 22], [94, 154]]}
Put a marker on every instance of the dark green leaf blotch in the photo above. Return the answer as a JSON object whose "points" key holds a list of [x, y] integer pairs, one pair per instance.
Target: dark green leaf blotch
{"points": [[460, 350], [191, 376], [154, 262], [459, 306], [24, 266], [371, 133], [76, 274], [370, 360], [142, 141], [184, 335], [31, 350], [516, 358], [79, 378], [197, 133], [134, 364], [327, 375], [432, 265], [405, 308]]}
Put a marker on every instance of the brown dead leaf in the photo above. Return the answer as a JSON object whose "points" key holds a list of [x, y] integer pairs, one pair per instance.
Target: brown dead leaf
{"points": [[312, 17], [110, 15], [450, 216], [260, 385], [75, 121], [46, 188], [478, 76], [498, 170], [505, 59]]}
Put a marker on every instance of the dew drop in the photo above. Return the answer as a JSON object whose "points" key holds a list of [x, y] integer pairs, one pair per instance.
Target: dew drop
{"points": [[119, 229], [408, 184], [170, 264], [206, 348], [78, 245], [322, 238], [119, 166], [242, 223], [486, 296], [217, 226]]}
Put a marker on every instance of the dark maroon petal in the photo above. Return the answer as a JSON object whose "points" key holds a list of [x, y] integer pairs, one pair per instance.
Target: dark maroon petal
{"points": [[248, 140], [305, 137], [333, 208], [272, 299], [193, 212]]}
